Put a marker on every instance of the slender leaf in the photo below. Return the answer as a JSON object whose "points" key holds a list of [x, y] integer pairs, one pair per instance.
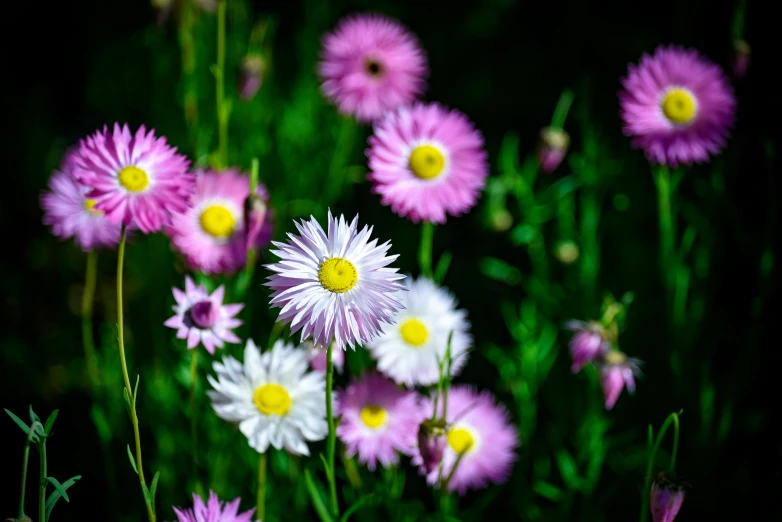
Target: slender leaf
{"points": [[50, 421], [442, 267], [132, 460], [55, 496], [56, 483], [500, 270], [135, 391], [317, 499], [33, 416], [363, 501], [549, 491], [19, 422], [568, 468], [147, 496], [325, 466], [153, 488]]}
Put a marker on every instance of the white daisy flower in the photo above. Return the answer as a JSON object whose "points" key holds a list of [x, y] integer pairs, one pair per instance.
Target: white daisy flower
{"points": [[273, 397], [408, 351], [336, 286]]}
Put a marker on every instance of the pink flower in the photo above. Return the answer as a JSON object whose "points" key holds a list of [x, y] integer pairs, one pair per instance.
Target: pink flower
{"points": [[677, 106], [212, 234], [213, 511], [427, 161], [370, 65], [617, 371], [134, 179], [587, 345], [552, 148], [379, 420], [71, 214], [201, 317], [666, 497]]}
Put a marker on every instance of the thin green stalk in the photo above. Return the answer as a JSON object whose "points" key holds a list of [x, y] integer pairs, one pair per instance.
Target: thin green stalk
{"points": [[88, 339], [673, 418], [332, 440], [43, 483], [24, 467], [261, 498], [446, 376], [561, 111], [664, 189], [193, 430], [590, 256], [128, 389], [342, 149], [425, 249], [222, 112]]}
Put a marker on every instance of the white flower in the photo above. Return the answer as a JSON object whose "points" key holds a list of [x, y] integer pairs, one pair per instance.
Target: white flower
{"points": [[408, 351], [273, 397], [336, 286]]}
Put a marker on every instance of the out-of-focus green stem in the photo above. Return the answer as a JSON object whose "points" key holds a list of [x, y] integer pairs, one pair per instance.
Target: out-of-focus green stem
{"points": [[25, 458], [563, 106], [43, 483], [222, 110], [673, 418], [663, 179], [193, 430], [261, 498], [342, 150], [590, 255], [332, 440], [86, 319], [352, 471], [425, 249]]}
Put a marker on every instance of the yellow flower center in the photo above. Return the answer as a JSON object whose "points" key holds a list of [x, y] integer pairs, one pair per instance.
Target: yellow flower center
{"points": [[373, 416], [272, 399], [133, 178], [414, 332], [427, 162], [89, 203], [679, 106], [217, 221], [460, 440], [337, 275]]}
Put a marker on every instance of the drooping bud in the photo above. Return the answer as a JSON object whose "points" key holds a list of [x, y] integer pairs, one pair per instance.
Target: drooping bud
{"points": [[250, 78], [617, 371], [552, 148], [740, 59], [254, 215], [431, 443], [666, 497], [588, 344]]}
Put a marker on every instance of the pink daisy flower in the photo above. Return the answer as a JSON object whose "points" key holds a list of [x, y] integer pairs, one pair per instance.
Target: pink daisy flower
{"points": [[617, 372], [213, 511], [370, 65], [379, 420], [478, 430], [677, 106], [134, 179], [203, 318], [426, 161], [211, 233], [71, 214]]}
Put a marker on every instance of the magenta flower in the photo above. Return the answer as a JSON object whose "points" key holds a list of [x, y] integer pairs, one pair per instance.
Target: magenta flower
{"points": [[71, 214], [213, 511], [481, 432], [552, 148], [134, 179], [617, 371], [426, 161], [212, 233], [203, 318], [379, 420], [587, 345], [371, 64], [666, 497], [677, 106]]}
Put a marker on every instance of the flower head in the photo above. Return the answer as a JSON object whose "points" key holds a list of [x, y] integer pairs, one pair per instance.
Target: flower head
{"points": [[552, 148], [427, 161], [617, 371], [666, 497], [272, 397], [334, 286], [409, 351], [379, 420], [72, 214], [371, 64], [479, 434], [203, 318], [134, 179], [677, 106], [588, 344], [213, 511], [212, 233]]}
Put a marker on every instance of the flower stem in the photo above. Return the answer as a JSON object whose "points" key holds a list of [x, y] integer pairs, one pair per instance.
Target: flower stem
{"points": [[128, 389], [193, 431], [425, 249], [261, 512], [563, 107], [332, 440], [663, 179], [86, 318], [222, 111], [673, 418], [24, 467], [42, 486]]}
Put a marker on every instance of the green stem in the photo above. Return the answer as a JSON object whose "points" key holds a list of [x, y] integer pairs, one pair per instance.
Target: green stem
{"points": [[563, 107], [590, 257], [222, 113], [193, 431], [44, 482], [337, 166], [24, 467], [664, 189], [673, 418], [86, 318], [425, 249], [332, 440], [128, 389], [446, 376], [261, 498]]}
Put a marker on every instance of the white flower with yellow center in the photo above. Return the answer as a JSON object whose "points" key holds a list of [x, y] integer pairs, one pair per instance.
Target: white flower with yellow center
{"points": [[408, 351], [273, 397]]}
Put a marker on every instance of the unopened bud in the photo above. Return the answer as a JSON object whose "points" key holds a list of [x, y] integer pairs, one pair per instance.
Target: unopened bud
{"points": [[431, 444], [552, 148], [501, 220], [567, 252], [250, 78], [666, 497], [254, 216], [740, 58]]}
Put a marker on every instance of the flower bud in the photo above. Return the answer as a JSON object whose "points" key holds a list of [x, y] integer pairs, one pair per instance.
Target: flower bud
{"points": [[501, 220], [250, 76], [552, 148], [431, 444], [666, 497], [740, 58], [254, 215], [567, 252], [588, 344]]}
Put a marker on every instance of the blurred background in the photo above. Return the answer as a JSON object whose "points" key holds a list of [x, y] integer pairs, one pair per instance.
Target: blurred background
{"points": [[75, 66]]}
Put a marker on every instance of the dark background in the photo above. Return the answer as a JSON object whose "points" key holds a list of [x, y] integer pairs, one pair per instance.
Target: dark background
{"points": [[73, 66]]}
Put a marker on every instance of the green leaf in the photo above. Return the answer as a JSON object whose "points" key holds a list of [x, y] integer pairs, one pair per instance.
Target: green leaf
{"points": [[153, 489], [325, 466], [33, 416], [549, 491], [127, 402], [317, 499], [56, 483], [523, 234], [499, 270], [147, 496], [19, 422], [132, 460], [50, 421], [363, 501], [568, 469], [135, 392], [56, 494], [509, 154], [442, 267]]}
